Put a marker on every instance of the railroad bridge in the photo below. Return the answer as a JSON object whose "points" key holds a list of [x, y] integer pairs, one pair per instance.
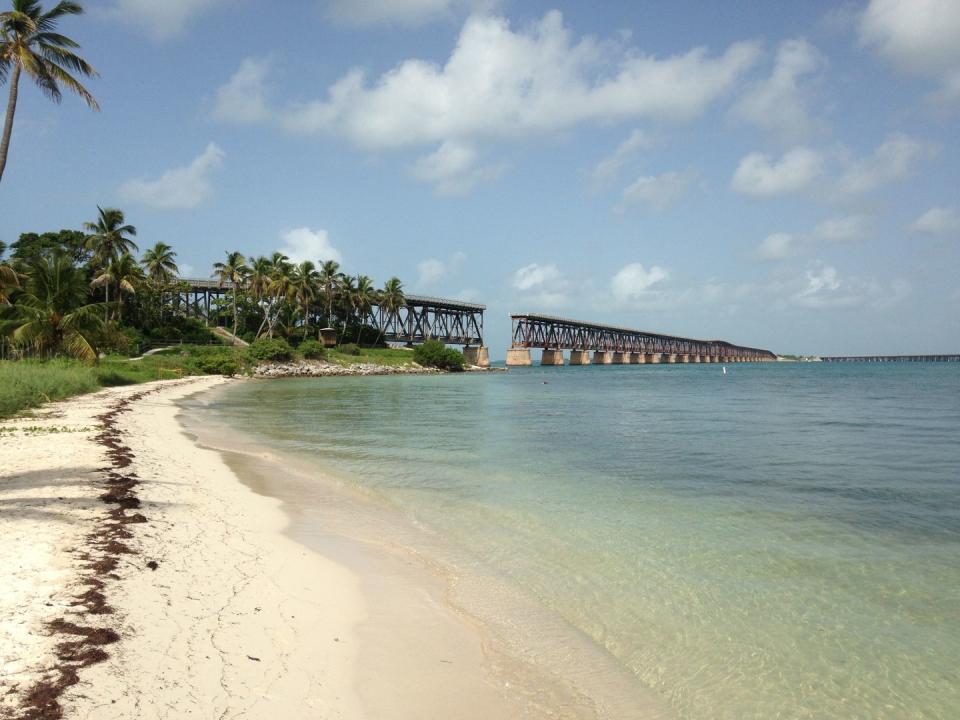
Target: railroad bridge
{"points": [[611, 345], [453, 322]]}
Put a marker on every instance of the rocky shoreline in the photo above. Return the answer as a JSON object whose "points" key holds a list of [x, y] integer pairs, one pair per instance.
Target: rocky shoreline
{"points": [[306, 368]]}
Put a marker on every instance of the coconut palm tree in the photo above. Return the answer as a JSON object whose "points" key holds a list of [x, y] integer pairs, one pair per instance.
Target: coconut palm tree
{"points": [[363, 298], [330, 283], [235, 272], [30, 44], [9, 278], [50, 314], [304, 286], [109, 238], [390, 299], [277, 289], [125, 273], [160, 264]]}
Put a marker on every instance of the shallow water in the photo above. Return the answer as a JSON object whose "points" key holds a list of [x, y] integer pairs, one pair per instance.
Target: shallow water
{"points": [[779, 541]]}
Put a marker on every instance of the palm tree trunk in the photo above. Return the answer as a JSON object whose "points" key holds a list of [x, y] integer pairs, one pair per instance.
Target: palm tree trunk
{"points": [[234, 309], [106, 304], [8, 123]]}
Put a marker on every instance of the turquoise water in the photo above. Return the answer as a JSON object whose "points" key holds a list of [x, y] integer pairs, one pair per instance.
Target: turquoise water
{"points": [[782, 541]]}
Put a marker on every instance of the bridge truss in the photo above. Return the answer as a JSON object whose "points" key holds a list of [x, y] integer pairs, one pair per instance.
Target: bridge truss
{"points": [[554, 333]]}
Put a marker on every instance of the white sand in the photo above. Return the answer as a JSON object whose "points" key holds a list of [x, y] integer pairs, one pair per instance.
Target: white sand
{"points": [[238, 620]]}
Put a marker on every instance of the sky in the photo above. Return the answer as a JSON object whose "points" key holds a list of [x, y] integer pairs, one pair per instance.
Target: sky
{"points": [[779, 175]]}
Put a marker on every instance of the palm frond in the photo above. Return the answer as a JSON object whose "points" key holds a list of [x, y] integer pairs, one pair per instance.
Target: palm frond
{"points": [[59, 75]]}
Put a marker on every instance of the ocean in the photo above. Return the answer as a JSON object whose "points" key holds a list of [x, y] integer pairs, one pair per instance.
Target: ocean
{"points": [[780, 541]]}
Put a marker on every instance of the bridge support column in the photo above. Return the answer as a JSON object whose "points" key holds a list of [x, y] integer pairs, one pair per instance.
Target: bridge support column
{"points": [[579, 357], [637, 358], [652, 358], [519, 356], [670, 357], [696, 359], [552, 357], [621, 358], [684, 358], [479, 356], [602, 358]]}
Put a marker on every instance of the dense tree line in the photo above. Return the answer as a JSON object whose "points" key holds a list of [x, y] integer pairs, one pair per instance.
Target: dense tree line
{"points": [[84, 293]]}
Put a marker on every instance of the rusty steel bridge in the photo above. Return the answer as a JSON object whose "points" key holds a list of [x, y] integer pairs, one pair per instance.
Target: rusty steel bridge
{"points": [[422, 318], [616, 345]]}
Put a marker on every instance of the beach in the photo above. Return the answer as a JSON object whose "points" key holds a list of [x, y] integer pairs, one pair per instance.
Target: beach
{"points": [[144, 580]]}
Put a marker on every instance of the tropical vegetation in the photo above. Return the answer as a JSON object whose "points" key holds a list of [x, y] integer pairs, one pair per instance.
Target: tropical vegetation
{"points": [[84, 294], [31, 45]]}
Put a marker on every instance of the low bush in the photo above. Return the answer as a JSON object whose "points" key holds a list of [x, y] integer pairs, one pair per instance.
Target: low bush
{"points": [[349, 349], [266, 349], [434, 353], [312, 350], [218, 365]]}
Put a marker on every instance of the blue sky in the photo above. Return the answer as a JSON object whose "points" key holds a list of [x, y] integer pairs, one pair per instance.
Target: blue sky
{"points": [[782, 175]]}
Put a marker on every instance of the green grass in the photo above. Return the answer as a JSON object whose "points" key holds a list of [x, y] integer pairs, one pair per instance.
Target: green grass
{"points": [[374, 356], [26, 384]]}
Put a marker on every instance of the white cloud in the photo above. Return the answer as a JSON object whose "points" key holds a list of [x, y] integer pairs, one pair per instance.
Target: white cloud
{"points": [[823, 287], [453, 170], [634, 282], [534, 276], [778, 104], [658, 192], [938, 221], [243, 99], [778, 246], [504, 83], [179, 188], [608, 168], [893, 160], [303, 243], [392, 12], [919, 37], [161, 19], [758, 174], [840, 229], [432, 270]]}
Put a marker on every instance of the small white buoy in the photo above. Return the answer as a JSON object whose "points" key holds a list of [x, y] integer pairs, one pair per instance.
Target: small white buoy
{"points": [[724, 369]]}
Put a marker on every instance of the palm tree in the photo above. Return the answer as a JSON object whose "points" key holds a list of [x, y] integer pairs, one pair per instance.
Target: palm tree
{"points": [[346, 288], [235, 272], [363, 298], [9, 278], [160, 264], [108, 238], [304, 286], [29, 43], [125, 273], [330, 282], [49, 316], [390, 299]]}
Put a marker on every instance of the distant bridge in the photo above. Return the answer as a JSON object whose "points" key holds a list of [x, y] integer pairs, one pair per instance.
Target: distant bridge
{"points": [[892, 358], [454, 322], [616, 345]]}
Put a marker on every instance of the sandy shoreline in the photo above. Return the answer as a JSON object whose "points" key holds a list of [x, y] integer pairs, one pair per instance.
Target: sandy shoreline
{"points": [[143, 580]]}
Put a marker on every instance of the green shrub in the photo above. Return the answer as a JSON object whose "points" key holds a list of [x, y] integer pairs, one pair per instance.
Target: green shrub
{"points": [[274, 349], [434, 353], [218, 365], [312, 350], [349, 349]]}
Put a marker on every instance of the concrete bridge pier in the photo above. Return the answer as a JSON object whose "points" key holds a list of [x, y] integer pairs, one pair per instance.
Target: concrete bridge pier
{"points": [[684, 358], [621, 358], [552, 357], [670, 358], [696, 358], [519, 357], [637, 358], [653, 358], [579, 357], [601, 357], [479, 356]]}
